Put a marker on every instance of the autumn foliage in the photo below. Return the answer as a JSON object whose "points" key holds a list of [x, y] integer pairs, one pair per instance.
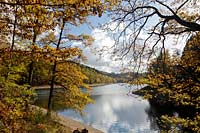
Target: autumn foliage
{"points": [[174, 81], [31, 54]]}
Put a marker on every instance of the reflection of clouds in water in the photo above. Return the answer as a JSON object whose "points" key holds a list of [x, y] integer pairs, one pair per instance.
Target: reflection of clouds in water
{"points": [[129, 112], [115, 114], [107, 112], [118, 128]]}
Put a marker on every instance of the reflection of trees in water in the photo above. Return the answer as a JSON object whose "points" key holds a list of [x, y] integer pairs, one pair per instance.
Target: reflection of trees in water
{"points": [[56, 106], [42, 101], [155, 112], [118, 128]]}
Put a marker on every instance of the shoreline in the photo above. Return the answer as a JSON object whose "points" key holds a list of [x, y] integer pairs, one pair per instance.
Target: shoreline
{"points": [[46, 87], [68, 122], [73, 124]]}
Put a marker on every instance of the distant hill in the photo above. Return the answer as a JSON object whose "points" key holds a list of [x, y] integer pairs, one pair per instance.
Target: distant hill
{"points": [[125, 77], [96, 76]]}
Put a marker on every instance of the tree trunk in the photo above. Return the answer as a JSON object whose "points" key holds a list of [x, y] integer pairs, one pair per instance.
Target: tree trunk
{"points": [[30, 73], [54, 72], [12, 45]]}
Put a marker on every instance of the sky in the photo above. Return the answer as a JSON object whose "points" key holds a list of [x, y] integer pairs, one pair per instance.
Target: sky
{"points": [[104, 40]]}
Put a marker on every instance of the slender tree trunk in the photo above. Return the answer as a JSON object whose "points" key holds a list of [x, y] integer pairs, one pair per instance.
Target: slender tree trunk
{"points": [[30, 72], [13, 36], [51, 88], [54, 72], [12, 44]]}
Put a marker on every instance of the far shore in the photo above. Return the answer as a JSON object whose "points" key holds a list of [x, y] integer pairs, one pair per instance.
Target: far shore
{"points": [[44, 87]]}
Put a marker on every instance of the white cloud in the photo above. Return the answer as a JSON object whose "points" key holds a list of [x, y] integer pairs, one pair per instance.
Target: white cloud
{"points": [[77, 44], [100, 54], [100, 60]]}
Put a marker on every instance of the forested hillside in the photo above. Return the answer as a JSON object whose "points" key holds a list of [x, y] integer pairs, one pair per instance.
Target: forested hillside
{"points": [[95, 76]]}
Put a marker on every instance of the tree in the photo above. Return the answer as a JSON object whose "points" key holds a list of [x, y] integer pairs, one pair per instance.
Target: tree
{"points": [[74, 15], [161, 64], [178, 87], [188, 86], [41, 16], [25, 22], [144, 26], [69, 79]]}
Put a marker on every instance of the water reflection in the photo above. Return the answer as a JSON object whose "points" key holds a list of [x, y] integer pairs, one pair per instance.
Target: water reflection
{"points": [[115, 112]]}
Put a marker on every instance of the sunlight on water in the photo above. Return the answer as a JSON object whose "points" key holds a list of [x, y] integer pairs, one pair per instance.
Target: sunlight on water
{"points": [[114, 111]]}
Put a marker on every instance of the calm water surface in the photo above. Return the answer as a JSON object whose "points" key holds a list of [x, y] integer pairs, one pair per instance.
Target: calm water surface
{"points": [[114, 110]]}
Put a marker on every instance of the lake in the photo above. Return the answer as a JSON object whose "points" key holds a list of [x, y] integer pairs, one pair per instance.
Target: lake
{"points": [[115, 110]]}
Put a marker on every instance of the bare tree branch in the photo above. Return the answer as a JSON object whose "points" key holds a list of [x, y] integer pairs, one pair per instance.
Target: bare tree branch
{"points": [[137, 17]]}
